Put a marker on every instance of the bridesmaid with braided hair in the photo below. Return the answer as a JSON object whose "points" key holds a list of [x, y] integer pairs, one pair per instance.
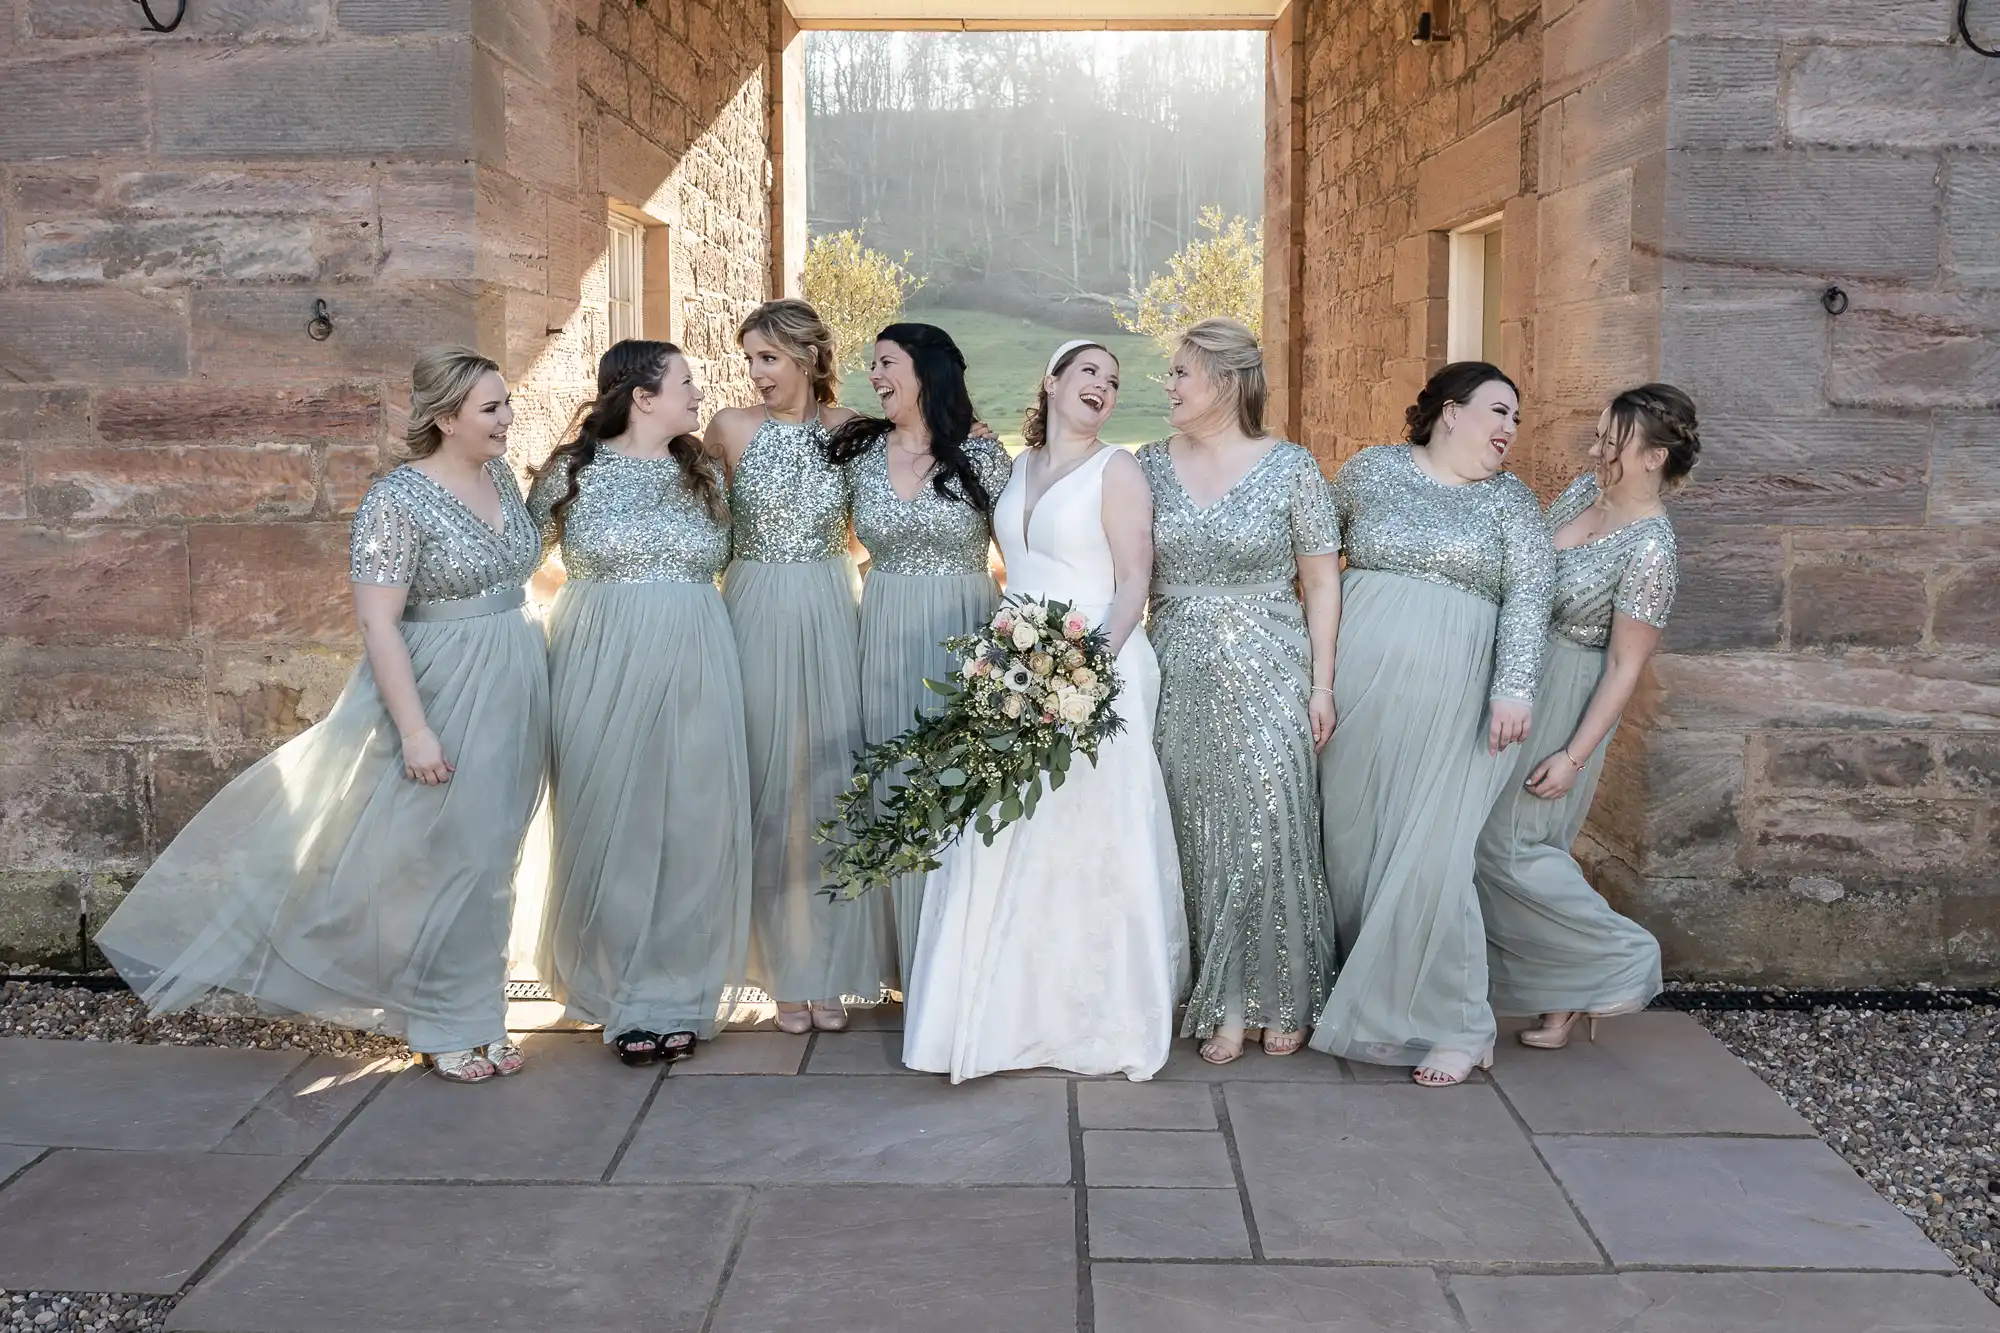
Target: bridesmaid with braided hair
{"points": [[1553, 946], [648, 911]]}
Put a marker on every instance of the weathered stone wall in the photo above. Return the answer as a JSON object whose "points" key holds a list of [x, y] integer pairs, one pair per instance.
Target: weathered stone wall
{"points": [[178, 458], [1806, 787]]}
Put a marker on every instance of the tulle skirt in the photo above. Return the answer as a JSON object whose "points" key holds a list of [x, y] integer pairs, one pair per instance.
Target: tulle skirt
{"points": [[797, 636], [1552, 943], [323, 881], [905, 619], [648, 911], [1405, 786]]}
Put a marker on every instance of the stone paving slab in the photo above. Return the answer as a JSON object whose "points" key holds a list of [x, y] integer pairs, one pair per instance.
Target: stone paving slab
{"points": [[859, 1053], [1167, 1224], [1379, 1172], [1654, 1073], [474, 1258], [1736, 1302], [296, 1117], [1154, 1105], [1194, 1298], [13, 1158], [846, 1259], [894, 1131], [96, 1094], [1734, 1203], [143, 1222], [560, 1119], [745, 1053], [1159, 1157]]}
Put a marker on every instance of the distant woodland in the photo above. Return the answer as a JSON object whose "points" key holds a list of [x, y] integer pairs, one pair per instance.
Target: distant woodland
{"points": [[1032, 173]]}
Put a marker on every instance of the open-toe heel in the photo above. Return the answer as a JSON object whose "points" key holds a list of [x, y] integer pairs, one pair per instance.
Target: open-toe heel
{"points": [[676, 1046], [1283, 1043], [505, 1057], [1448, 1069], [457, 1066], [637, 1047]]}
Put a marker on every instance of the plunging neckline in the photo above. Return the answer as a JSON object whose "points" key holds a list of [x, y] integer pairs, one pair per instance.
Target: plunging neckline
{"points": [[1229, 490], [485, 470], [889, 474], [1030, 508], [1622, 527]]}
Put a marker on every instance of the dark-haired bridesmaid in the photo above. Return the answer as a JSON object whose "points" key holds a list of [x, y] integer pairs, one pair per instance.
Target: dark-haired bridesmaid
{"points": [[648, 911], [1445, 609], [1553, 945], [923, 492]]}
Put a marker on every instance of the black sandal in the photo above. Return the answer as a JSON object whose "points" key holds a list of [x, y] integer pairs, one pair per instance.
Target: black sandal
{"points": [[636, 1047], [676, 1046]]}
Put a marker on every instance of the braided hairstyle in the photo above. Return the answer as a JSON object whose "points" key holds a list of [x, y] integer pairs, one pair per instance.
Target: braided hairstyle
{"points": [[1035, 426], [629, 366], [1456, 383], [1663, 418], [947, 411]]}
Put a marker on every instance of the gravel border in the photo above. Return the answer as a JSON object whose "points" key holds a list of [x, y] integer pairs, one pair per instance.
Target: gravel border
{"points": [[75, 1013], [1910, 1099], [77, 1312]]}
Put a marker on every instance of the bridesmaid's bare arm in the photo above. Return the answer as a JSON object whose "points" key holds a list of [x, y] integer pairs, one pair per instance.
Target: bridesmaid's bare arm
{"points": [[1128, 525], [1319, 582], [1632, 643], [728, 434], [378, 609]]}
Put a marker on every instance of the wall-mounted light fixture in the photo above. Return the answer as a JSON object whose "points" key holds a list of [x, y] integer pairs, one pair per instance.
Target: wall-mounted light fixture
{"points": [[1433, 24], [153, 21]]}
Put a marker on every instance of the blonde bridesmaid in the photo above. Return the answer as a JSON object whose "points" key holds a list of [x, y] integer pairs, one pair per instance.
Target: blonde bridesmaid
{"points": [[790, 590], [364, 871], [923, 489], [1553, 946], [648, 914], [1444, 609]]}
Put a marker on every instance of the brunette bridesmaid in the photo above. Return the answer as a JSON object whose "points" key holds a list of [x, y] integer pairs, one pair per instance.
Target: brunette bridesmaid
{"points": [[790, 590], [648, 913], [1444, 609], [1553, 946], [364, 871], [1240, 521], [923, 490]]}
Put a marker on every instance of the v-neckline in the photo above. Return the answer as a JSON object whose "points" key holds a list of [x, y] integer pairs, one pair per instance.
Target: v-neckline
{"points": [[1229, 490], [1031, 507], [1622, 527], [485, 470], [889, 475]]}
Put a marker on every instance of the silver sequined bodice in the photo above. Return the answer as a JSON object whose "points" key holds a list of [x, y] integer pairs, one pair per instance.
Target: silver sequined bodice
{"points": [[929, 534], [1487, 538], [1281, 509], [634, 520], [1631, 572], [789, 503], [411, 532]]}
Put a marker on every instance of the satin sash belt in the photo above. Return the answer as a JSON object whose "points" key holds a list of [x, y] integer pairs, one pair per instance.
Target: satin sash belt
{"points": [[465, 608]]}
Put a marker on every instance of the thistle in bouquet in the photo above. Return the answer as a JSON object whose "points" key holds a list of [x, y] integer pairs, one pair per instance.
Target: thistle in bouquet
{"points": [[1033, 690]]}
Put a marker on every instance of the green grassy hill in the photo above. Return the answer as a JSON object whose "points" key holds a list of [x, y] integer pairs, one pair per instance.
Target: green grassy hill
{"points": [[1004, 358]]}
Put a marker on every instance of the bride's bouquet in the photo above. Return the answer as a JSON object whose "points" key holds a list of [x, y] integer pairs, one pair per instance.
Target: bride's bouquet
{"points": [[1033, 690]]}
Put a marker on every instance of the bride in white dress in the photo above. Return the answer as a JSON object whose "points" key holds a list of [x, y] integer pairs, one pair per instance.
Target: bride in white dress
{"points": [[1064, 943]]}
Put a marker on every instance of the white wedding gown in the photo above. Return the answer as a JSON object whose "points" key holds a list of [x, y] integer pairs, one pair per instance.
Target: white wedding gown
{"points": [[1064, 943]]}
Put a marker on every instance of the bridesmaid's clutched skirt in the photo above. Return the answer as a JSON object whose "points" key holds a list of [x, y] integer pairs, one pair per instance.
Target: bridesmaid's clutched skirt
{"points": [[648, 915], [905, 619], [323, 881], [1553, 944], [797, 635], [1405, 786]]}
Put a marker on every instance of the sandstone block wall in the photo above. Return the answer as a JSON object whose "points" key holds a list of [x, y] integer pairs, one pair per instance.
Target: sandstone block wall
{"points": [[178, 458]]}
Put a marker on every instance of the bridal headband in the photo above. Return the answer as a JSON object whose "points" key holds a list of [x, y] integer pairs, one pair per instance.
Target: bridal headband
{"points": [[1066, 349]]}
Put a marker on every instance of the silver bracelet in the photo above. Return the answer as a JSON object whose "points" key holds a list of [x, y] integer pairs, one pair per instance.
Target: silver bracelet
{"points": [[1322, 689]]}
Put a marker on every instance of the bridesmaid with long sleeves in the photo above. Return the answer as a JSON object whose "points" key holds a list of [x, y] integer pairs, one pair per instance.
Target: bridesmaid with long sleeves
{"points": [[648, 913], [1554, 947], [1246, 691], [1444, 609], [790, 590], [363, 872], [923, 489]]}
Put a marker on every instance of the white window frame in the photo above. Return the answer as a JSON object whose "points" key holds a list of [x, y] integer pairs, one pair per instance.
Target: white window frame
{"points": [[625, 278], [1465, 297]]}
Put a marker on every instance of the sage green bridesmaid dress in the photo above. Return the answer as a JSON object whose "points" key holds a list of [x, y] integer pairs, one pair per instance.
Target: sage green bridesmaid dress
{"points": [[648, 912], [1553, 944], [1444, 608], [1234, 738], [927, 580]]}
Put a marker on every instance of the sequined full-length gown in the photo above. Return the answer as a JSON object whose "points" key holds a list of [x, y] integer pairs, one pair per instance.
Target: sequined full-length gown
{"points": [[791, 598], [1444, 607], [1234, 739], [927, 580], [322, 880], [1552, 943], [648, 911]]}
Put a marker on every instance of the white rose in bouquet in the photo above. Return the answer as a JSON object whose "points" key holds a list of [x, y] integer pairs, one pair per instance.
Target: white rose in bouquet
{"points": [[1083, 678], [1077, 707], [1012, 706], [1025, 636]]}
